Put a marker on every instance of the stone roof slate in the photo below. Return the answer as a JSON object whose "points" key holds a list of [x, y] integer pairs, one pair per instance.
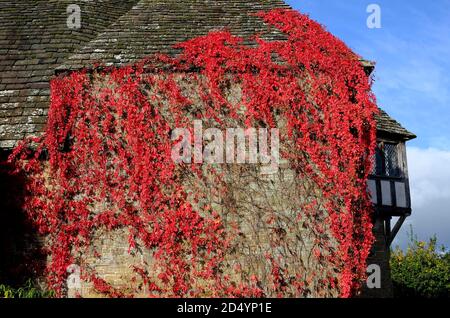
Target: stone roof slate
{"points": [[153, 26], [35, 42], [386, 124]]}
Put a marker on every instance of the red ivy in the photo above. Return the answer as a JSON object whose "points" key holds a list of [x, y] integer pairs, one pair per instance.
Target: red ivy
{"points": [[112, 145]]}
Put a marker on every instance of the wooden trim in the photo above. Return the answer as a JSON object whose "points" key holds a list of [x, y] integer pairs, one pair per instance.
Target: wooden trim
{"points": [[384, 211]]}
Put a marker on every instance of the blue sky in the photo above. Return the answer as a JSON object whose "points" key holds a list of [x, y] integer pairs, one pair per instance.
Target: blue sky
{"points": [[412, 83]]}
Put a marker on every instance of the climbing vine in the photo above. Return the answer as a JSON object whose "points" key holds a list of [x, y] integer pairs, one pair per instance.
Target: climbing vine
{"points": [[104, 163]]}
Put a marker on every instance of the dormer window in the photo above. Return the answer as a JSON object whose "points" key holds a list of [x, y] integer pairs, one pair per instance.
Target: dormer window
{"points": [[388, 182], [386, 161]]}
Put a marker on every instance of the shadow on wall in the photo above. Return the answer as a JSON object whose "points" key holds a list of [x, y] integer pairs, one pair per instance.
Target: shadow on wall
{"points": [[21, 255]]}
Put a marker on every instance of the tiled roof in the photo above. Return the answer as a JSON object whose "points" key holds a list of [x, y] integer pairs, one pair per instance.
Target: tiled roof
{"points": [[386, 124], [35, 41], [156, 25]]}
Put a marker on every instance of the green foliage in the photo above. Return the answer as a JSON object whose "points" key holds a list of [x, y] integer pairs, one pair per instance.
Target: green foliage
{"points": [[422, 271], [27, 291]]}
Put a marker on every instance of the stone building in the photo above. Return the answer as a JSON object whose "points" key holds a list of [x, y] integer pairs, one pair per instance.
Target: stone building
{"points": [[36, 43]]}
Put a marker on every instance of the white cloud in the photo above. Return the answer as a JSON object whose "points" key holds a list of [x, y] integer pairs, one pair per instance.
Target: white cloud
{"points": [[429, 172]]}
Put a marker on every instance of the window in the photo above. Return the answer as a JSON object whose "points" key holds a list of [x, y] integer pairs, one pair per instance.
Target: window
{"points": [[386, 161]]}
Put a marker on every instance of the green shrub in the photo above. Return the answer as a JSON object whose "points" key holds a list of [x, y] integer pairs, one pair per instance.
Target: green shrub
{"points": [[27, 291], [422, 271]]}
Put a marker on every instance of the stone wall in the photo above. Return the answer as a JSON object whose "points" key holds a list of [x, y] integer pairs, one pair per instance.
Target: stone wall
{"points": [[263, 212], [273, 196], [111, 258]]}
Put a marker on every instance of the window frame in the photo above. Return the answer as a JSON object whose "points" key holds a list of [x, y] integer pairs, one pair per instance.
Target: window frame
{"points": [[385, 166]]}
